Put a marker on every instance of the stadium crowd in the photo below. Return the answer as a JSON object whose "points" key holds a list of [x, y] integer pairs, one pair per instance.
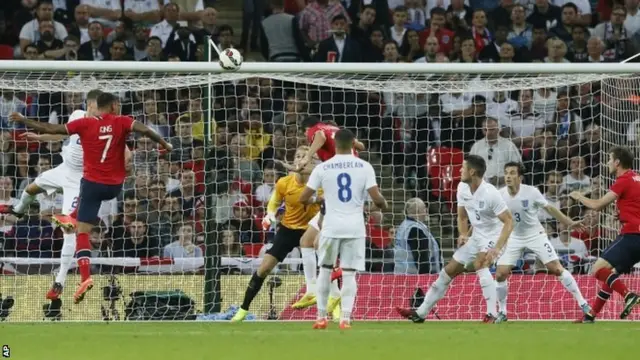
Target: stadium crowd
{"points": [[555, 132]]}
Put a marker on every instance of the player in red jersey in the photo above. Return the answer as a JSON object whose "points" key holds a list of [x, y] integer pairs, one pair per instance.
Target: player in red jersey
{"points": [[103, 139], [624, 252], [321, 139]]}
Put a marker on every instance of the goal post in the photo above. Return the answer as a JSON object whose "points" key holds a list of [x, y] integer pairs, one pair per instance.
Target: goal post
{"points": [[417, 121]]}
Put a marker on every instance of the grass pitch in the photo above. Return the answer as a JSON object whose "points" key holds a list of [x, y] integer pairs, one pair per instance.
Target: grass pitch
{"points": [[297, 341]]}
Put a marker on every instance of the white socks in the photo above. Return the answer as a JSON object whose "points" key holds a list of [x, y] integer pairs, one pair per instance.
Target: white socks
{"points": [[570, 284], [502, 288], [436, 291], [24, 202], [309, 267], [66, 257], [488, 286], [348, 294], [334, 290], [322, 291]]}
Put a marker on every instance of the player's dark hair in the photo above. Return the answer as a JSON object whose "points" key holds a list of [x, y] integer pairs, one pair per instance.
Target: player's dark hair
{"points": [[477, 164], [344, 139], [309, 122], [516, 165], [106, 99], [93, 95], [624, 155]]}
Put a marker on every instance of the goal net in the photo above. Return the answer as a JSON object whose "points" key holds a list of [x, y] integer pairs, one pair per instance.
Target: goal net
{"points": [[187, 225]]}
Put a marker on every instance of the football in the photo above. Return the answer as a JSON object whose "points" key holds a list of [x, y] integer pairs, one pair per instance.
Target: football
{"points": [[230, 59]]}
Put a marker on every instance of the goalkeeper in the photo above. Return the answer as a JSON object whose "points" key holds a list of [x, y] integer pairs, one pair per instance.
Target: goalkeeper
{"points": [[293, 225]]}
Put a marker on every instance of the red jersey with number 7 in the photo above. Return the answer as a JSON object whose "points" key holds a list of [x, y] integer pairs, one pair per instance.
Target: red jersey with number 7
{"points": [[627, 187], [328, 150], [103, 139]]}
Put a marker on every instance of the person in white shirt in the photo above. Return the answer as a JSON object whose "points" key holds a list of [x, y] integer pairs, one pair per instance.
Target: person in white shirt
{"points": [[495, 150], [30, 32], [107, 12], [6, 188], [346, 181], [146, 12], [525, 201], [165, 27], [632, 21], [481, 205], [575, 180]]}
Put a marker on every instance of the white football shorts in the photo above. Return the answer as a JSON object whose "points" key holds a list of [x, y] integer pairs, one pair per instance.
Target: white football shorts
{"points": [[539, 245], [314, 222], [61, 178], [351, 252], [476, 244]]}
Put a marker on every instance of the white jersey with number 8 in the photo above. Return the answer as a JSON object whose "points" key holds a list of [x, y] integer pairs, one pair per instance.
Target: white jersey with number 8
{"points": [[345, 180]]}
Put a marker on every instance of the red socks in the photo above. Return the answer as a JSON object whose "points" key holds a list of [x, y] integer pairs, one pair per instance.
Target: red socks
{"points": [[611, 279], [601, 299], [83, 253]]}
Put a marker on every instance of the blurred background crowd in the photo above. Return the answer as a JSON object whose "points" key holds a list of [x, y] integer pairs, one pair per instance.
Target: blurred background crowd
{"points": [[415, 140]]}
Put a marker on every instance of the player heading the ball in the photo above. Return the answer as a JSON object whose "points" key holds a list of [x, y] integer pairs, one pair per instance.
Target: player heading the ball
{"points": [[480, 204], [346, 180], [525, 201], [622, 254], [104, 140]]}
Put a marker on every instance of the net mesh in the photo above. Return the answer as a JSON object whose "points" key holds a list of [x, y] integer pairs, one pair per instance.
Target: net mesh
{"points": [[416, 129]]}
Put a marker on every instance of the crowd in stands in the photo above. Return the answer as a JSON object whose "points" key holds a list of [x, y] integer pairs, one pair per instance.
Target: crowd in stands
{"points": [[555, 132]]}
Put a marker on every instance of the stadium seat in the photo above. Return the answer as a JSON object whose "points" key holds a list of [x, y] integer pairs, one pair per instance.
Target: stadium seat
{"points": [[6, 52], [444, 170]]}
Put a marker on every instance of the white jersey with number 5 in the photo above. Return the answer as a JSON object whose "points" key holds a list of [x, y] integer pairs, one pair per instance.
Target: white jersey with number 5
{"points": [[72, 150], [524, 208], [483, 208], [345, 180]]}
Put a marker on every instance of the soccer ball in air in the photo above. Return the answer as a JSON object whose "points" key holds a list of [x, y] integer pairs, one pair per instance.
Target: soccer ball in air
{"points": [[230, 59]]}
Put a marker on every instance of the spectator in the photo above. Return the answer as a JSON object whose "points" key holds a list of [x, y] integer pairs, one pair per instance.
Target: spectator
{"points": [[164, 174], [22, 169], [501, 16], [252, 11], [557, 50], [209, 25], [551, 193], [632, 21], [183, 140], [195, 116], [184, 246], [316, 19], [564, 243], [391, 53], [32, 235], [145, 12], [361, 31], [524, 122], [437, 28], [377, 45], [340, 47], [479, 31], [520, 33], [568, 124], [247, 169], [460, 13], [575, 180], [153, 118], [80, 27], [545, 15], [69, 51], [431, 48], [165, 27], [586, 102], [264, 190], [416, 250], [225, 37], [543, 160], [231, 246], [583, 10], [545, 100], [563, 29], [397, 31], [226, 197], [107, 12], [98, 242], [495, 150], [96, 49], [257, 139], [6, 190], [411, 49], [538, 49], [492, 52], [10, 103], [615, 37], [589, 149], [197, 164], [280, 36], [501, 107], [189, 194], [7, 155], [595, 48], [118, 51], [47, 41], [182, 44], [140, 43], [30, 32], [154, 50], [246, 225], [276, 150], [31, 53], [135, 243], [578, 48]]}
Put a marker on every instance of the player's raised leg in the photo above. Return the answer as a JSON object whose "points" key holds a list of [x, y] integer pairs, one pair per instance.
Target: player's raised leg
{"points": [[624, 252], [26, 198]]}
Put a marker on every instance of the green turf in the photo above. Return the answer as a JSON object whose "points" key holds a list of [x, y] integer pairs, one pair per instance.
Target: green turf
{"points": [[282, 341]]}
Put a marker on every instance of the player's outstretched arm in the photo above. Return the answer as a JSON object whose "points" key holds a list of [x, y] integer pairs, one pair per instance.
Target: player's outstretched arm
{"points": [[595, 204], [42, 137], [37, 125], [319, 138], [562, 218], [144, 130]]}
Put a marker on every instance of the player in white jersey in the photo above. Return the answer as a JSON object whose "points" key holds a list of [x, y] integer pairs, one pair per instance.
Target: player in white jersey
{"points": [[345, 180], [480, 204], [525, 201]]}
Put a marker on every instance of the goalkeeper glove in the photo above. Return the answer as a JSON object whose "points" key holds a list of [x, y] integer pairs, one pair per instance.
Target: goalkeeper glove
{"points": [[269, 221]]}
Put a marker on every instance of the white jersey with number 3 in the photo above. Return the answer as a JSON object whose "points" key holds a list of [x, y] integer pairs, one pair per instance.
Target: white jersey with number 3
{"points": [[72, 150], [345, 180], [483, 208], [524, 208]]}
